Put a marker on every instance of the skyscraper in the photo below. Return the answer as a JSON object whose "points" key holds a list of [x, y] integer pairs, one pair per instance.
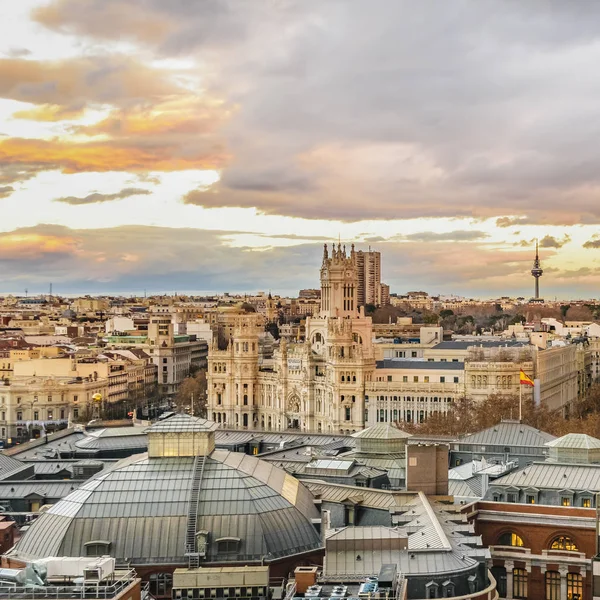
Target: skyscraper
{"points": [[537, 271], [370, 290]]}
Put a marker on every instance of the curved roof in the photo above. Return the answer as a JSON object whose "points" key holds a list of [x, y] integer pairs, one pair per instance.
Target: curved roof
{"points": [[141, 506]]}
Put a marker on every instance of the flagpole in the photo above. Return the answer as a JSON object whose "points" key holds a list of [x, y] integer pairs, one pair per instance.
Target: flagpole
{"points": [[520, 400]]}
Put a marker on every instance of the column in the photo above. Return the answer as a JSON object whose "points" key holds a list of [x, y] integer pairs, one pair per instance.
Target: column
{"points": [[563, 581], [509, 565]]}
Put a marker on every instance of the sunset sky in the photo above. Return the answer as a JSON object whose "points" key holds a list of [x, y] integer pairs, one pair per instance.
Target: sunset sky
{"points": [[215, 145]]}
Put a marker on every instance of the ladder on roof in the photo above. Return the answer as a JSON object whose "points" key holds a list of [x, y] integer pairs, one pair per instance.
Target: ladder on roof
{"points": [[190, 542]]}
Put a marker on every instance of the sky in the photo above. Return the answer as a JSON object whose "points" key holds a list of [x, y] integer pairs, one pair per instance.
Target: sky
{"points": [[216, 145]]}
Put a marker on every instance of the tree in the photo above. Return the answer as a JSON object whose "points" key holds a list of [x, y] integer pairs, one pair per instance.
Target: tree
{"points": [[192, 387], [444, 314], [430, 319], [273, 329], [564, 309]]}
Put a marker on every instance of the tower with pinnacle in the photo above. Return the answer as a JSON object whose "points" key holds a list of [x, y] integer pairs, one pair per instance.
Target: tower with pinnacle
{"points": [[537, 271]]}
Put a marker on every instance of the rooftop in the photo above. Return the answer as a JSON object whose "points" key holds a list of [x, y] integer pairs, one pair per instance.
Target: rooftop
{"points": [[575, 440], [509, 433], [402, 363]]}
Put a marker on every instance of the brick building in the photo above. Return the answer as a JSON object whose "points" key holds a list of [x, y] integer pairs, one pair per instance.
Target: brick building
{"points": [[537, 552]]}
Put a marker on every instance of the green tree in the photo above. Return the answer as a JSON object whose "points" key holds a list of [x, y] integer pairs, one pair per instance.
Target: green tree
{"points": [[444, 314]]}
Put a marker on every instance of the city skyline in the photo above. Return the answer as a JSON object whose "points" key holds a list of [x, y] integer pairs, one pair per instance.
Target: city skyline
{"points": [[218, 145]]}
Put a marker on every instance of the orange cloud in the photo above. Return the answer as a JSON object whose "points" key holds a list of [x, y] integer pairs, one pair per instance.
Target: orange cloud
{"points": [[49, 113], [73, 83], [181, 115], [19, 246], [107, 156]]}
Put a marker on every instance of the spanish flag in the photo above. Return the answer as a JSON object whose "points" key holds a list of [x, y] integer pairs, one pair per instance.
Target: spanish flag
{"points": [[524, 379]]}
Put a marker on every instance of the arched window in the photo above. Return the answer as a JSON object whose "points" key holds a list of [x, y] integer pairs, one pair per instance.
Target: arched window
{"points": [[97, 548], [563, 542], [552, 585], [574, 586], [519, 583], [161, 584], [510, 539]]}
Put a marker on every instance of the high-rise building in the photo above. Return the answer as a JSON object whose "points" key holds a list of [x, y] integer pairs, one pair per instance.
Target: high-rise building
{"points": [[370, 290]]}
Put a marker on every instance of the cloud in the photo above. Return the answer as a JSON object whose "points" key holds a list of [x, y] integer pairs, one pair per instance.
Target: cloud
{"points": [[18, 52], [96, 197], [108, 156], [510, 221], [549, 241], [6, 190], [77, 82], [592, 243], [397, 126], [454, 236]]}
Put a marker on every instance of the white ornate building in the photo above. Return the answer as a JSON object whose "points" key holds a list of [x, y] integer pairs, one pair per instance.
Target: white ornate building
{"points": [[316, 385]]}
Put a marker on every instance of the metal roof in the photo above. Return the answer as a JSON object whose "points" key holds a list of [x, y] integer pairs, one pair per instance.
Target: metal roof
{"points": [[575, 440], [10, 466], [509, 433], [554, 476], [464, 345], [382, 431], [141, 506], [182, 423], [437, 365], [51, 489]]}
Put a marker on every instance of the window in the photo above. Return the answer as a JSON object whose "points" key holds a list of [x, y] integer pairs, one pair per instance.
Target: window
{"points": [[389, 378], [97, 548], [413, 354], [404, 378], [563, 542], [36, 415], [50, 398], [511, 497], [519, 583], [565, 501], [76, 413], [585, 502], [415, 379], [228, 545], [448, 589], [426, 378], [456, 380], [510, 539], [348, 415], [19, 416], [62, 414], [442, 380], [3, 416], [530, 499], [161, 584], [75, 398], [552, 585], [50, 415], [432, 589], [574, 586]]}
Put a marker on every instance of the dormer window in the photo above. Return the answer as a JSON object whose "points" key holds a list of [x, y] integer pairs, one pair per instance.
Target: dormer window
{"points": [[228, 545], [97, 548]]}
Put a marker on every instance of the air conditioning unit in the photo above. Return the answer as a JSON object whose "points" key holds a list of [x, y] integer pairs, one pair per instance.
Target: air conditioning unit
{"points": [[238, 592], [213, 593]]}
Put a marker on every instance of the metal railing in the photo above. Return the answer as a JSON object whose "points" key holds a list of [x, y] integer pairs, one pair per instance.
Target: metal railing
{"points": [[87, 589]]}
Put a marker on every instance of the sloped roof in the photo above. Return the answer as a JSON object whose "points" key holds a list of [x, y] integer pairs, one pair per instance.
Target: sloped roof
{"points": [[557, 476], [182, 423], [509, 433], [382, 431], [575, 440]]}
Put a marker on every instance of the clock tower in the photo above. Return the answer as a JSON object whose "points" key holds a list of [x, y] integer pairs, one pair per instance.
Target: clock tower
{"points": [[339, 283]]}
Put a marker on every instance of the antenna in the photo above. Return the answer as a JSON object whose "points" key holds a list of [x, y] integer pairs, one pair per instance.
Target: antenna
{"points": [[26, 290]]}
